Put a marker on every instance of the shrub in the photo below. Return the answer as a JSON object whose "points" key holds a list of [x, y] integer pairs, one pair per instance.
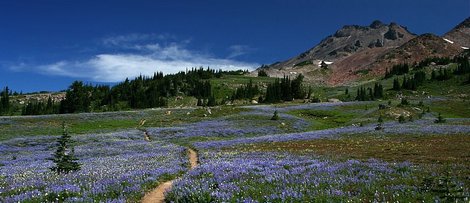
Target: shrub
{"points": [[379, 126], [275, 116], [262, 73], [440, 119], [404, 102], [380, 120], [401, 119]]}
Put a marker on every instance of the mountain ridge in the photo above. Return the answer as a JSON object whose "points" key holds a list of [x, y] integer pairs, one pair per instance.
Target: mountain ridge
{"points": [[354, 52]]}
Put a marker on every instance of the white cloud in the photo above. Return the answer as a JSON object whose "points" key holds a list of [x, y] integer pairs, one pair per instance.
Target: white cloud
{"points": [[138, 54], [124, 40], [238, 50], [116, 67]]}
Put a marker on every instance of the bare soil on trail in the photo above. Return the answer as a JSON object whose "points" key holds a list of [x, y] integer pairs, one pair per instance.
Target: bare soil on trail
{"points": [[158, 194], [193, 158]]}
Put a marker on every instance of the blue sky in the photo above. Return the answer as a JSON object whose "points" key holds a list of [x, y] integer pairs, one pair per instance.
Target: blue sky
{"points": [[46, 44]]}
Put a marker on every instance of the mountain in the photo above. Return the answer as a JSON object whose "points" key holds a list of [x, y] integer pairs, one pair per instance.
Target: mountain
{"points": [[363, 43], [460, 35], [355, 52]]}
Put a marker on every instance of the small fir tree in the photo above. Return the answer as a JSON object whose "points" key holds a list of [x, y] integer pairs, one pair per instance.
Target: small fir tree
{"points": [[64, 157], [379, 123], [404, 102], [275, 116], [440, 119], [380, 120], [401, 119]]}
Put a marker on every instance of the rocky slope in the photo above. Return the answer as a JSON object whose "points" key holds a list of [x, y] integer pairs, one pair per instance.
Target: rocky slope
{"points": [[351, 40], [460, 35], [356, 52], [413, 51]]}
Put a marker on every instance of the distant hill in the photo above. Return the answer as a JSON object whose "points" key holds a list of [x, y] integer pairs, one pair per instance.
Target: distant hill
{"points": [[355, 52]]}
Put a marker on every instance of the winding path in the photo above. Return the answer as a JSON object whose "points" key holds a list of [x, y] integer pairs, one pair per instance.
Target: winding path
{"points": [[158, 194]]}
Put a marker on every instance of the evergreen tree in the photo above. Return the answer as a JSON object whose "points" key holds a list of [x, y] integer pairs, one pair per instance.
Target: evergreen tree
{"points": [[211, 101], [380, 119], [404, 102], [5, 101], [275, 116], [298, 91], [64, 157], [199, 102], [440, 119], [396, 84], [379, 123], [399, 69], [463, 66], [401, 119], [380, 91], [262, 73]]}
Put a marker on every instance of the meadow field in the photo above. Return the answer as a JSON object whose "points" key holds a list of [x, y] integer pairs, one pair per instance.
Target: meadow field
{"points": [[315, 152]]}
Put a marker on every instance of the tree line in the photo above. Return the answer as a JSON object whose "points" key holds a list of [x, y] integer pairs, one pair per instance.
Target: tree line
{"points": [[141, 92]]}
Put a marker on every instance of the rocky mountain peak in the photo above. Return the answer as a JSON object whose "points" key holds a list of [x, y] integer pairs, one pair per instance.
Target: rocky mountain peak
{"points": [[354, 49], [376, 24], [460, 34]]}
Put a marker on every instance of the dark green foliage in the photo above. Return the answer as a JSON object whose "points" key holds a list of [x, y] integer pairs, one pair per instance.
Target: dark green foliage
{"points": [[396, 84], [297, 89], [380, 119], [368, 94], [436, 60], [64, 157], [315, 100], [399, 69], [247, 91], [40, 108], [413, 82], [200, 102], [441, 75], [262, 73], [77, 98], [440, 119], [378, 90], [211, 101], [275, 116], [361, 94], [273, 92], [310, 92], [463, 66], [401, 119], [142, 92], [285, 89], [404, 102], [5, 101]]}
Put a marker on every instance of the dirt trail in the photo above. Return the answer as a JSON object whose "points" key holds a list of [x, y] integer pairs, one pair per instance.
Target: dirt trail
{"points": [[158, 194]]}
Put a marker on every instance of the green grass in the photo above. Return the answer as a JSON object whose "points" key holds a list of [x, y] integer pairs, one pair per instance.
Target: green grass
{"points": [[324, 119], [106, 122], [224, 87], [451, 108]]}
